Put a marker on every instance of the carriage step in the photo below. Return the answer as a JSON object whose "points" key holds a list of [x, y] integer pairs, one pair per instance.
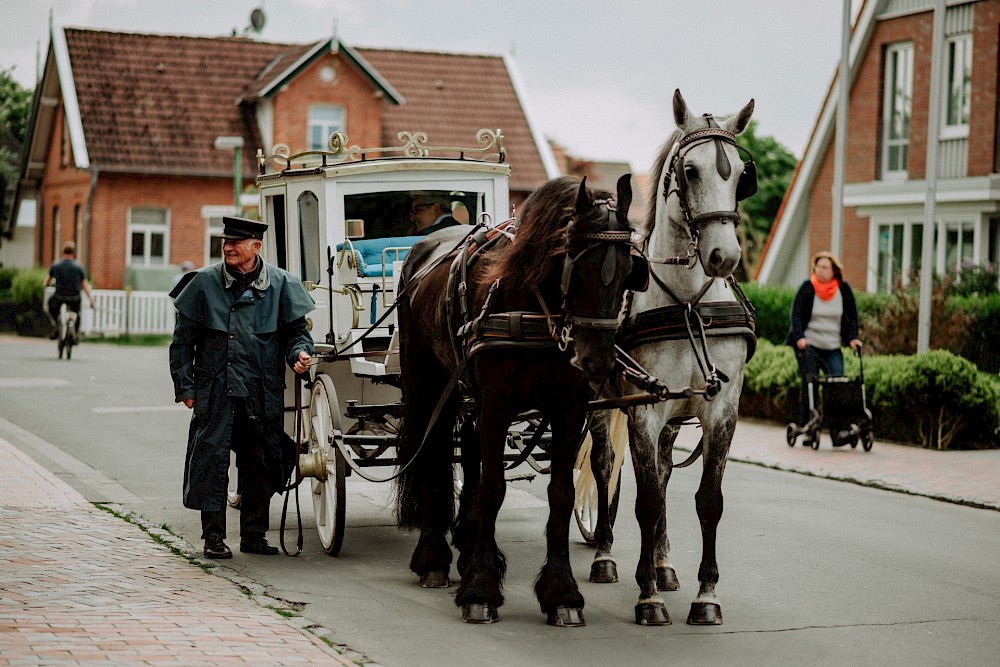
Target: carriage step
{"points": [[355, 411]]}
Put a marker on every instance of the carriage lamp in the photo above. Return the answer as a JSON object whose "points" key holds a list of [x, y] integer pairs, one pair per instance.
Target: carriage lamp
{"points": [[235, 144]]}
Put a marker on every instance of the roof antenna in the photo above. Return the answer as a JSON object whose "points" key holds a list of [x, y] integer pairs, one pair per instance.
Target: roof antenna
{"points": [[257, 20]]}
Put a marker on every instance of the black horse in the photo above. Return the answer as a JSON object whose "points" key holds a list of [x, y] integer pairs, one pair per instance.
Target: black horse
{"points": [[522, 307]]}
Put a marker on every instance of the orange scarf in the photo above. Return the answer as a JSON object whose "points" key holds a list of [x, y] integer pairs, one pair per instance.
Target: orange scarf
{"points": [[824, 291]]}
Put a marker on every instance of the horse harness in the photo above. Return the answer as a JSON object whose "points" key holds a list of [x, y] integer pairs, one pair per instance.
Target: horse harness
{"points": [[535, 330]]}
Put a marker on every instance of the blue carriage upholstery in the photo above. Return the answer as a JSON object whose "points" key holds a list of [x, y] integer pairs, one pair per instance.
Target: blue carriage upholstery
{"points": [[368, 253]]}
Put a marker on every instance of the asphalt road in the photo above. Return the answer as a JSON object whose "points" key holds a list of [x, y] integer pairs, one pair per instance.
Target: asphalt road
{"points": [[812, 571]]}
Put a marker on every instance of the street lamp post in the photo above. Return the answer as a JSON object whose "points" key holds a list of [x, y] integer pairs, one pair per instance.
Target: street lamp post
{"points": [[235, 144]]}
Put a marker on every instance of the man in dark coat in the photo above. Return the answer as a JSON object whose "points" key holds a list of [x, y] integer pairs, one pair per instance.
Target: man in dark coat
{"points": [[238, 324]]}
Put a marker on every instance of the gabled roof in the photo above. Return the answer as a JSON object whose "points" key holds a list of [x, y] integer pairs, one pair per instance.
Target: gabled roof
{"points": [[286, 66], [450, 96], [148, 103], [156, 103]]}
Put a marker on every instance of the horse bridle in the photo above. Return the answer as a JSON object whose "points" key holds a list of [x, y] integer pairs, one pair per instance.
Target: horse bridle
{"points": [[746, 186], [609, 237]]}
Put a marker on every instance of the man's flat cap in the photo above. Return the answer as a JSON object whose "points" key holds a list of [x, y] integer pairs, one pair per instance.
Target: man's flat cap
{"points": [[237, 229]]}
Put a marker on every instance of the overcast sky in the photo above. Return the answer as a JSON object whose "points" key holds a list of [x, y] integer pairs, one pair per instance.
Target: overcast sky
{"points": [[599, 75]]}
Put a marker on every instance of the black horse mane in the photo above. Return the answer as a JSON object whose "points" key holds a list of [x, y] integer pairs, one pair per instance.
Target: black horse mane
{"points": [[657, 172], [541, 236]]}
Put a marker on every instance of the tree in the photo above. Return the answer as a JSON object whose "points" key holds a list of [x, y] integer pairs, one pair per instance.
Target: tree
{"points": [[775, 165], [15, 107]]}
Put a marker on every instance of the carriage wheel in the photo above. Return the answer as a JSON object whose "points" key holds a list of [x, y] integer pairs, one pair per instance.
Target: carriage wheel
{"points": [[329, 495], [867, 440], [233, 495]]}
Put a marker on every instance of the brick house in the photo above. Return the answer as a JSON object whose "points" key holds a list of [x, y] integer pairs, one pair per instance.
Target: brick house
{"points": [[886, 151], [121, 150]]}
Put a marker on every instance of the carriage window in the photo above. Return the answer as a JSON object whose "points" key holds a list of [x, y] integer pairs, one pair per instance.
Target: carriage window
{"points": [[404, 212], [277, 207], [309, 237], [324, 120], [897, 108]]}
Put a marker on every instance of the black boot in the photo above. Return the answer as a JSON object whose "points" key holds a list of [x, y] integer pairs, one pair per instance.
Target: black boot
{"points": [[257, 544], [216, 549]]}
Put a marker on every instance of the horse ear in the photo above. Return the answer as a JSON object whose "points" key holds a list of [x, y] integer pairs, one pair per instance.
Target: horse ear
{"points": [[681, 111], [624, 198], [582, 200], [742, 119]]}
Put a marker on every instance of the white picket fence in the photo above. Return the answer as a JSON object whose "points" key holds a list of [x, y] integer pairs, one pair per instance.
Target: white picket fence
{"points": [[128, 312]]}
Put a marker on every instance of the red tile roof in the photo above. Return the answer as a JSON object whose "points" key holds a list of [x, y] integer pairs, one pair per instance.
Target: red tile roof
{"points": [[451, 96], [156, 103]]}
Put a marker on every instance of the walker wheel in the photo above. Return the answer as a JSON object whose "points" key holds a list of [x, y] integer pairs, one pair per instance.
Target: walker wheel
{"points": [[867, 440], [791, 433], [814, 440]]}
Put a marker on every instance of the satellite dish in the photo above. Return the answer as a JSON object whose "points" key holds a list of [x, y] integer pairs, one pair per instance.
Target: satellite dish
{"points": [[257, 19]]}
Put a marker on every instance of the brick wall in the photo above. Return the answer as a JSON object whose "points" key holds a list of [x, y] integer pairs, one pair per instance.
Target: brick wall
{"points": [[349, 89], [983, 112]]}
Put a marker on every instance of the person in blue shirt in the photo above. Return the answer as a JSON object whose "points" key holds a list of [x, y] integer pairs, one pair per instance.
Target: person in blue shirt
{"points": [[70, 279]]}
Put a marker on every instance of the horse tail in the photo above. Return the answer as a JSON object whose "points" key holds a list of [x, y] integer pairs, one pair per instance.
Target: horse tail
{"points": [[619, 441], [424, 489]]}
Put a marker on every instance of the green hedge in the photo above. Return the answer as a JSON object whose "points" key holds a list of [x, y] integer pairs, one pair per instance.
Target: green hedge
{"points": [[935, 399], [21, 296], [979, 318]]}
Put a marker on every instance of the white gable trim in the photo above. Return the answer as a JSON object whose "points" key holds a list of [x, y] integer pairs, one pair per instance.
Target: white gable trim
{"points": [[81, 159], [796, 210], [544, 149]]}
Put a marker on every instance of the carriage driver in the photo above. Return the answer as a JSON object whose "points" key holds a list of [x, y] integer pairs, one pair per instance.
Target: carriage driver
{"points": [[238, 323]]}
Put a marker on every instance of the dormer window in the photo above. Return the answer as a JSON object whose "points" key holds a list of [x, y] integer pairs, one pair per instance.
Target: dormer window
{"points": [[324, 120]]}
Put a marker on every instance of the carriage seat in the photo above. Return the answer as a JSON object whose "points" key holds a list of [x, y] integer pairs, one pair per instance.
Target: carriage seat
{"points": [[368, 253]]}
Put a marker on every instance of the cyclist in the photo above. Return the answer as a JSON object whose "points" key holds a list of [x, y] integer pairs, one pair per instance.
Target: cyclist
{"points": [[70, 279]]}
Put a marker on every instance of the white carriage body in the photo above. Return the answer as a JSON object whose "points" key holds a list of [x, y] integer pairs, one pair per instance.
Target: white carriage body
{"points": [[337, 220]]}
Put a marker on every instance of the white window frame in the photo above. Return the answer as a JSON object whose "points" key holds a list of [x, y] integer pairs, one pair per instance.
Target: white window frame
{"points": [[212, 216], [325, 126], [896, 54], [147, 230], [951, 128]]}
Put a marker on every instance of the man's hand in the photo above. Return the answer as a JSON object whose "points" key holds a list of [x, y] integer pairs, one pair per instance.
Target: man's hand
{"points": [[302, 365], [188, 403]]}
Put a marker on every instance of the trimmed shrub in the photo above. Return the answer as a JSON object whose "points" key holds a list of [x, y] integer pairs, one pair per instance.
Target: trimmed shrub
{"points": [[773, 305], [22, 305]]}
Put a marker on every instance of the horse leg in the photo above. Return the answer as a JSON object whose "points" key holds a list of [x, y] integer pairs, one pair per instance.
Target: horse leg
{"points": [[706, 610], [463, 532], [555, 588], [480, 595], [425, 496], [603, 570], [666, 575], [651, 609]]}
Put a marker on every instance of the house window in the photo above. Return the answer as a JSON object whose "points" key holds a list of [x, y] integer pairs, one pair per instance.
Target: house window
{"points": [[890, 256], [958, 70], [78, 234], [148, 229], [56, 234], [214, 243], [324, 120], [958, 246], [897, 108]]}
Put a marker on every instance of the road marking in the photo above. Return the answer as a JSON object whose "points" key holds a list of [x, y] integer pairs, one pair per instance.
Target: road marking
{"points": [[22, 383], [139, 408]]}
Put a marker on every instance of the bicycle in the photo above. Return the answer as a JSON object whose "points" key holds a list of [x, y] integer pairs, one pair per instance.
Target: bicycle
{"points": [[67, 331]]}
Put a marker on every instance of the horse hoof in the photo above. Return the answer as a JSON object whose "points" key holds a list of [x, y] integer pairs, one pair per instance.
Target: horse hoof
{"points": [[603, 572], [480, 613], [567, 617], [666, 579], [705, 613], [651, 613], [435, 579]]}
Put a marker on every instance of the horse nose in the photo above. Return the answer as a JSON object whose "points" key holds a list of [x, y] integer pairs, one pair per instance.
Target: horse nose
{"points": [[722, 264]]}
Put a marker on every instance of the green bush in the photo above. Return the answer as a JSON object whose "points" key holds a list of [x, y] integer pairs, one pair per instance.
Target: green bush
{"points": [[935, 399], [773, 305], [980, 342], [21, 303]]}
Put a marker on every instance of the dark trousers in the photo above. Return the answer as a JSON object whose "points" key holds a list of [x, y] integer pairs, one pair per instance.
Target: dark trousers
{"points": [[256, 485], [72, 304], [811, 362]]}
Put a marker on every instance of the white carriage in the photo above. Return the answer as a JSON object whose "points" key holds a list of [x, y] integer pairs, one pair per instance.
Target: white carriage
{"points": [[339, 220]]}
